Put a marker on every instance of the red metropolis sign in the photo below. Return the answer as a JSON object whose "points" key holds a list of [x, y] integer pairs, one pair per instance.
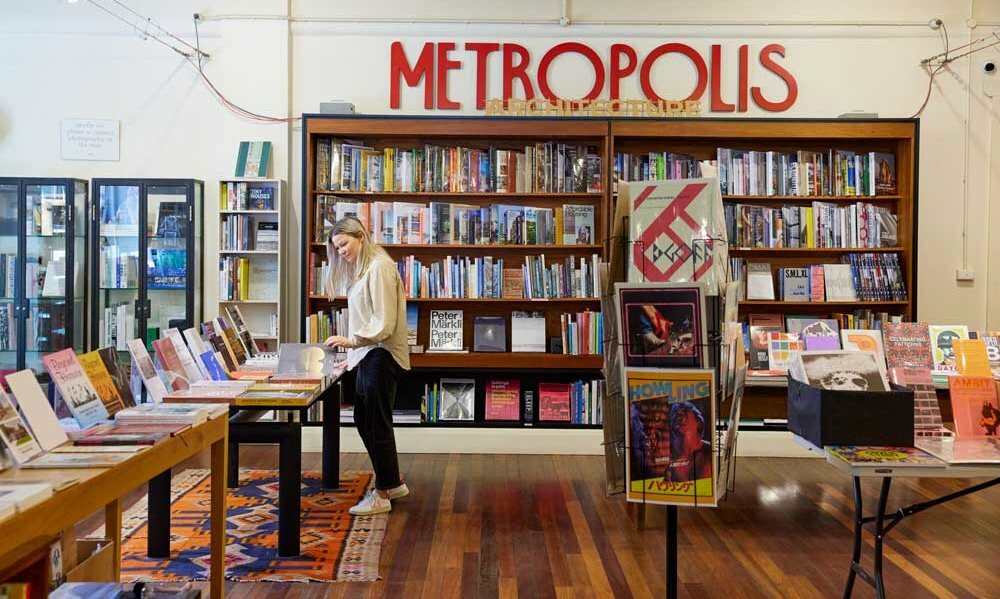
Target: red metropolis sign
{"points": [[431, 67]]}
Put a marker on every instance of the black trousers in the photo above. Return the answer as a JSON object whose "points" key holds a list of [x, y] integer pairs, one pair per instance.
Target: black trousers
{"points": [[375, 380]]}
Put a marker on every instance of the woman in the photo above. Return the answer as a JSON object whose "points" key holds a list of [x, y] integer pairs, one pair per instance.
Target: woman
{"points": [[377, 351]]}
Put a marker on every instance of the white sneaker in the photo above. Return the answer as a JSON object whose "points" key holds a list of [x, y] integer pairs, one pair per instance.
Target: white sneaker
{"points": [[398, 492], [371, 504]]}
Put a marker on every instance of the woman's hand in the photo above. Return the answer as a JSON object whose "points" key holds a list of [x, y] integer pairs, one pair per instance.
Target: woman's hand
{"points": [[338, 341]]}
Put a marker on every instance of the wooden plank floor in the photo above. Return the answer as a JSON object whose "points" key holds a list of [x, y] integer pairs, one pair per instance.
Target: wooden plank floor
{"points": [[542, 527]]}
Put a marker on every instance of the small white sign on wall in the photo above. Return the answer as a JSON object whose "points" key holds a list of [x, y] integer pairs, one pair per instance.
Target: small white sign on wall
{"points": [[90, 139]]}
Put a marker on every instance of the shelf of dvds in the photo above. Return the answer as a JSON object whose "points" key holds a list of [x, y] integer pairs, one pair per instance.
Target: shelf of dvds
{"points": [[251, 234], [467, 207]]}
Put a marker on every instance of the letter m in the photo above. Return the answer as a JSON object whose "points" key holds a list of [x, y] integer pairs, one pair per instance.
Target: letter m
{"points": [[423, 69]]}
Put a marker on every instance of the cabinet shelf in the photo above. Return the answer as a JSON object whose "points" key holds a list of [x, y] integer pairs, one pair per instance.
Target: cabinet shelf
{"points": [[829, 199], [857, 304], [810, 251], [252, 301], [464, 300], [255, 252], [445, 247], [460, 194], [272, 212], [506, 361]]}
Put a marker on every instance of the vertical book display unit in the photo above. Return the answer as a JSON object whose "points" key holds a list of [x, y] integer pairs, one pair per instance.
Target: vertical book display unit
{"points": [[799, 196], [43, 233], [494, 225], [250, 242], [146, 274]]}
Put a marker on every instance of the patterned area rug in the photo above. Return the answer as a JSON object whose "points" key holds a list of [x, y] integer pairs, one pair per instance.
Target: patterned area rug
{"points": [[335, 545]]}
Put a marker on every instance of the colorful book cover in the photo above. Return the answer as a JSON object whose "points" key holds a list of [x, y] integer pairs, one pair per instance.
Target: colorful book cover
{"points": [[118, 373], [412, 316], [970, 357], [663, 324], [674, 228], [759, 336], [503, 399], [578, 225], [100, 378], [782, 350], [863, 340], [221, 351], [861, 455], [926, 411], [553, 402], [908, 345], [974, 405], [166, 268], [670, 435], [75, 388], [942, 350], [992, 341], [215, 370], [191, 370], [14, 432]]}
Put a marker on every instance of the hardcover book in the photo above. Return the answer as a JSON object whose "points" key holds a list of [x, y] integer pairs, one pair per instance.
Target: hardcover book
{"points": [[578, 225], [118, 373], [446, 331], [782, 350], [974, 405], [527, 331], [458, 399], [662, 324], [513, 284], [760, 285], [191, 370], [309, 358], [553, 402], [759, 345], [253, 159], [942, 350], [671, 437], [166, 268], [412, 317], [171, 221], [490, 334], [957, 450], [37, 411], [503, 399], [839, 281], [885, 173], [267, 236], [970, 357], [795, 284], [864, 340], [908, 344], [674, 226], [143, 364], [75, 388]]}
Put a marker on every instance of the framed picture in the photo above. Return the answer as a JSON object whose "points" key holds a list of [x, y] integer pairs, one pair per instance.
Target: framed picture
{"points": [[662, 324]]}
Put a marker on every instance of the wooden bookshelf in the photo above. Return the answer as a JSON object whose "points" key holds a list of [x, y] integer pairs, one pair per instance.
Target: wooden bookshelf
{"points": [[701, 138], [476, 133]]}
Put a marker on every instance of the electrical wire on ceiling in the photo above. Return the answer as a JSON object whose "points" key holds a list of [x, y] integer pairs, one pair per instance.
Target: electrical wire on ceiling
{"points": [[150, 30]]}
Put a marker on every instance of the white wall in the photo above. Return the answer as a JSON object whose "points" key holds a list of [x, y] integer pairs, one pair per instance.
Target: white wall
{"points": [[74, 61]]}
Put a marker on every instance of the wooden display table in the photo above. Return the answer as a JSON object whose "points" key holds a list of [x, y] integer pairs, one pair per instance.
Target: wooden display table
{"points": [[27, 532]]}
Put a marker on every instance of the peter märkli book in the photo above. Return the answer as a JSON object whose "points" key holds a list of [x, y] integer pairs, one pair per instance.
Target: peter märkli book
{"points": [[446, 331]]}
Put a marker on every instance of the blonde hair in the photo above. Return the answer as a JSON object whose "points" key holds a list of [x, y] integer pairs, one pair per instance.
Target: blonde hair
{"points": [[341, 274]]}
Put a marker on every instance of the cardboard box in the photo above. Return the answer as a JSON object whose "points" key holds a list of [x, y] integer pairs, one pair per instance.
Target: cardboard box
{"points": [[95, 561], [825, 417]]}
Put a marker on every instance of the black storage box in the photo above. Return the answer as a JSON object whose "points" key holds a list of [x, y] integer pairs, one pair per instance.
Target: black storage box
{"points": [[825, 417]]}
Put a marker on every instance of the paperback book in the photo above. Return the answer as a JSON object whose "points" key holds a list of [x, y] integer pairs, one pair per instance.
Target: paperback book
{"points": [[894, 457], [75, 388], [503, 399], [37, 411], [490, 334], [553, 402], [942, 349], [309, 358], [974, 405], [97, 372], [458, 399], [446, 331], [662, 324], [14, 432], [908, 345]]}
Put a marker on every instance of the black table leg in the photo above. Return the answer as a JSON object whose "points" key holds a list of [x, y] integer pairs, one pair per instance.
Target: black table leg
{"points": [[880, 536], [289, 491], [331, 437], [234, 464], [158, 496], [671, 552], [858, 529]]}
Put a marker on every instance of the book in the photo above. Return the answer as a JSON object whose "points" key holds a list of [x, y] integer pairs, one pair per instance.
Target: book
{"points": [[840, 371], [172, 220], [127, 434], [670, 436], [74, 386], [288, 398], [412, 316], [839, 282], [309, 358], [445, 331], [14, 432], [578, 225], [267, 236], [926, 411], [974, 405], [143, 364], [942, 350], [885, 173], [171, 413], [118, 373], [759, 345], [35, 408], [100, 378], [527, 331], [490, 334], [957, 450], [172, 371], [662, 324], [970, 357], [78, 460], [894, 457], [908, 345], [503, 399], [253, 159], [188, 364], [864, 340], [795, 284], [166, 268], [513, 284], [261, 197], [553, 402], [760, 285], [458, 399], [673, 229], [782, 350]]}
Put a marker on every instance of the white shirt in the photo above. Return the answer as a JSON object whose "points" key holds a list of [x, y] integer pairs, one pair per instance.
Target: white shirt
{"points": [[376, 314]]}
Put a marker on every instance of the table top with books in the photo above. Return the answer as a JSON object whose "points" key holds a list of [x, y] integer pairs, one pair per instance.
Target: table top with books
{"points": [[934, 457]]}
